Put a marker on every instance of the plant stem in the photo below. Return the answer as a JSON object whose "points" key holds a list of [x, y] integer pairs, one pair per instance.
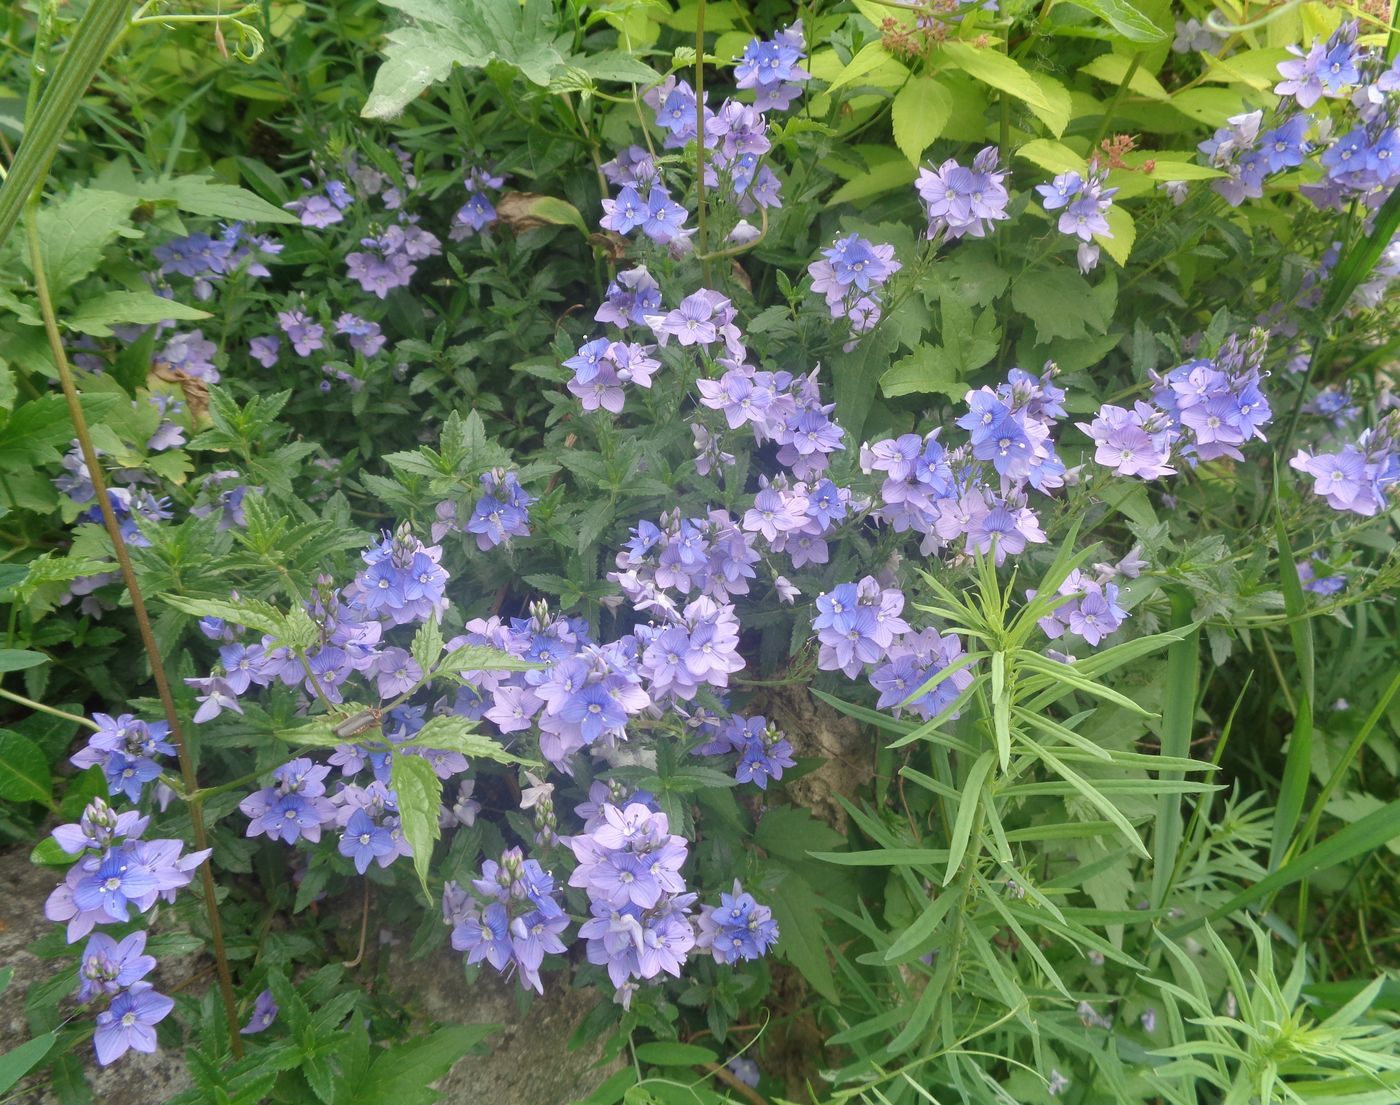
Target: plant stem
{"points": [[138, 608], [75, 718], [102, 24], [1113, 104]]}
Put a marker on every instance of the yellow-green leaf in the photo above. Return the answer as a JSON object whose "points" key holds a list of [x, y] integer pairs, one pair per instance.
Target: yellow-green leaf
{"points": [[867, 59], [1045, 96], [921, 110], [1124, 235]]}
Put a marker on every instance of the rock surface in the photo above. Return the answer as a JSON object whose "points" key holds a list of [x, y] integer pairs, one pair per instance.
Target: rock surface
{"points": [[529, 1062]]}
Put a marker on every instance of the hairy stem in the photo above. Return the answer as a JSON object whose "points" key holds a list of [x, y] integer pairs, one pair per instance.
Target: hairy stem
{"points": [[138, 608]]}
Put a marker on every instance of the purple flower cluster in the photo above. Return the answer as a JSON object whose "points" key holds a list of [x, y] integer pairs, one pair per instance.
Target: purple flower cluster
{"points": [[1359, 478], [910, 663], [389, 260], [703, 318], [192, 354], [737, 929], [208, 260], [976, 493], [964, 201], [856, 625], [764, 750], [655, 213], [502, 511], [794, 518], [850, 275], [738, 134], [478, 212], [1360, 150], [320, 209], [404, 581], [582, 696], [631, 297], [114, 870], [603, 369], [1090, 609], [771, 69], [778, 407], [707, 556], [514, 918], [690, 648], [1083, 203], [1218, 401], [629, 864], [126, 748], [1203, 410]]}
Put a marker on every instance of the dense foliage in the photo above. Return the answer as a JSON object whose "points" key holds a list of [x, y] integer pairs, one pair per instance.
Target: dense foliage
{"points": [[861, 534]]}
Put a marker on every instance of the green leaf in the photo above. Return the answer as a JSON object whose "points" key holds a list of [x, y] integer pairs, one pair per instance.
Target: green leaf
{"points": [[920, 111], [1355, 265], [967, 809], [1127, 22], [801, 941], [452, 733], [521, 208], [1373, 831], [966, 346], [466, 660], [1178, 721], [614, 65], [97, 315], [74, 232], [47, 853], [519, 35], [402, 1075], [1045, 96], [427, 644], [1297, 768], [663, 1054], [17, 659], [24, 769], [885, 176], [1119, 243], [202, 195], [251, 613], [1115, 69], [1052, 156], [866, 60], [1060, 303], [19, 1061], [419, 793]]}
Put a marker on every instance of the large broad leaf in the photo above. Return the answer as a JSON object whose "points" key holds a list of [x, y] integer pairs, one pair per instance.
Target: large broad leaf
{"points": [[470, 33], [97, 314], [1060, 303], [74, 232], [195, 194], [966, 346], [1128, 23], [1045, 96], [920, 112]]}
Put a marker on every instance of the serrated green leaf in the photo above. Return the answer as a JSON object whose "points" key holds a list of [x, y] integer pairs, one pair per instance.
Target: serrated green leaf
{"points": [[24, 769], [1045, 96], [418, 792], [920, 111], [97, 314]]}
